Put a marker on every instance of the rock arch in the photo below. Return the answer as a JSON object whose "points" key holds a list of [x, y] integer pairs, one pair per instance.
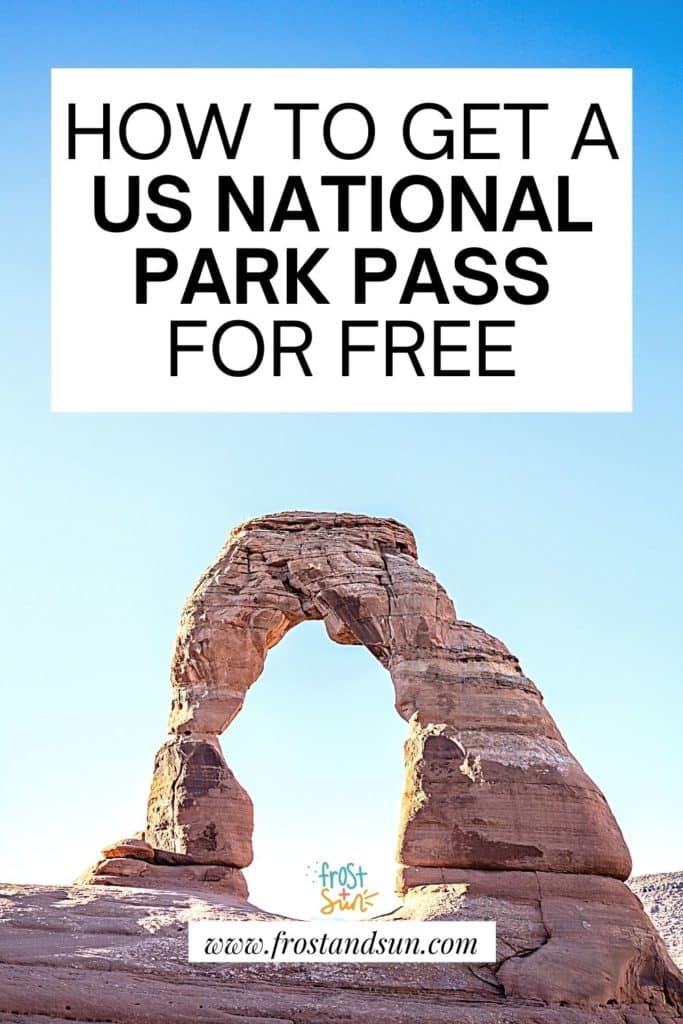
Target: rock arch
{"points": [[498, 820], [489, 781]]}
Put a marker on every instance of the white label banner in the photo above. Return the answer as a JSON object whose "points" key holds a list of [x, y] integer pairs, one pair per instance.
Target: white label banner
{"points": [[368, 942], [310, 240]]}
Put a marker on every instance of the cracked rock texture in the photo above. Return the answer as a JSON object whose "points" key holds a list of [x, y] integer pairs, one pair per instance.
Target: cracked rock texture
{"points": [[119, 956], [497, 821], [489, 780]]}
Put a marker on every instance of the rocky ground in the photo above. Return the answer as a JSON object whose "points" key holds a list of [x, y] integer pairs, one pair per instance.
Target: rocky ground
{"points": [[662, 897], [116, 954], [498, 822]]}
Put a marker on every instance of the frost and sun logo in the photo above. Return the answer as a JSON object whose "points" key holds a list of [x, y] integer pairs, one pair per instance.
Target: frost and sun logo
{"points": [[343, 888]]}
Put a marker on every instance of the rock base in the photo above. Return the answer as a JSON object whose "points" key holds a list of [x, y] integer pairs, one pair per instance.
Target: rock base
{"points": [[134, 862], [107, 953], [576, 940], [216, 878]]}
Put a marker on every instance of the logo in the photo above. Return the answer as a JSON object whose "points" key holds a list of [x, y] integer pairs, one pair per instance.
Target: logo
{"points": [[343, 888]]}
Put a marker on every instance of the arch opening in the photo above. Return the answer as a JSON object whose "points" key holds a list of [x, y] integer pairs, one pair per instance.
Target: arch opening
{"points": [[484, 762], [319, 749], [493, 803]]}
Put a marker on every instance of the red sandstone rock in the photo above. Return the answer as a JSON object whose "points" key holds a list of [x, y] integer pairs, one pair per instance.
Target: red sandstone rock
{"points": [[576, 939], [454, 816], [171, 859], [498, 819], [136, 848], [127, 871], [196, 806], [108, 953], [530, 804]]}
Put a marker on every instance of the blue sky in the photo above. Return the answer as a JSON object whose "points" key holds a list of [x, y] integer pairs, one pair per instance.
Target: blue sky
{"points": [[560, 534]]}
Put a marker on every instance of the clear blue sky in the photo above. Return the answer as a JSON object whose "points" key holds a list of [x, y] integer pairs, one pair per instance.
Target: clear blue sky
{"points": [[560, 534]]}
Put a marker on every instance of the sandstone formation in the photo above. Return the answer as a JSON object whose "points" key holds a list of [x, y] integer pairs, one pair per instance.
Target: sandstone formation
{"points": [[133, 862], [116, 955], [498, 819], [577, 940], [489, 783]]}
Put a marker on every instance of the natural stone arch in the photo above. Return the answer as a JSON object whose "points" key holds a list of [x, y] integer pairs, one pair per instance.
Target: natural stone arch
{"points": [[489, 781], [498, 820]]}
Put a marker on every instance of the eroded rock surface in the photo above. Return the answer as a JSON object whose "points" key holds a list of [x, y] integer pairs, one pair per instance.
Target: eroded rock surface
{"points": [[580, 940], [498, 819], [197, 806], [119, 956], [489, 781]]}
